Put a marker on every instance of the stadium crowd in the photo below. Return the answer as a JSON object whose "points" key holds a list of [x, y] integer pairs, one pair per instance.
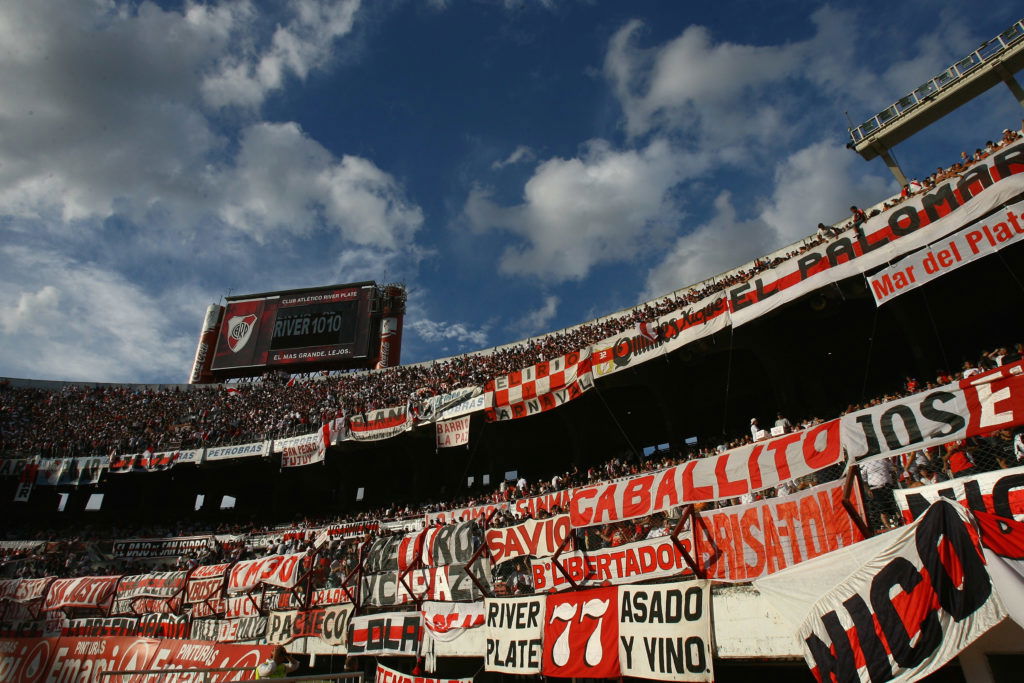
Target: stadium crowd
{"points": [[79, 420], [74, 551], [100, 420]]}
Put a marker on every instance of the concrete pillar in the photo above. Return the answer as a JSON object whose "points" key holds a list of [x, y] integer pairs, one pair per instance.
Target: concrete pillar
{"points": [[893, 167], [1010, 81]]}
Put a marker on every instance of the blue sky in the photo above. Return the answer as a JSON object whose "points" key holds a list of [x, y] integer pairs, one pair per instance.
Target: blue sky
{"points": [[521, 166]]}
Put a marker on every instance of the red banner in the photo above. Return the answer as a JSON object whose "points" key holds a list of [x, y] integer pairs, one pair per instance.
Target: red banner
{"points": [[536, 537], [87, 592], [762, 538], [283, 571], [754, 467], [581, 634], [379, 424]]}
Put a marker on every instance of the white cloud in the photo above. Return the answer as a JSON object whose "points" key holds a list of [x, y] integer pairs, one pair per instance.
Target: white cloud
{"points": [[520, 154], [691, 82], [66, 320], [815, 184], [441, 331], [244, 77], [284, 181], [605, 206], [537, 320]]}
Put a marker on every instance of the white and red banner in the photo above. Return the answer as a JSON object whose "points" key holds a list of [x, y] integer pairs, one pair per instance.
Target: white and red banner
{"points": [[539, 388], [665, 631], [975, 241], [909, 609], [514, 633], [158, 592], [733, 473], [327, 626], [86, 592], [536, 537], [751, 541], [581, 634], [391, 633], [452, 432], [446, 621], [670, 332], [916, 222], [307, 449], [147, 461], [652, 558], [1000, 492], [379, 424], [969, 407], [386, 675], [283, 571]]}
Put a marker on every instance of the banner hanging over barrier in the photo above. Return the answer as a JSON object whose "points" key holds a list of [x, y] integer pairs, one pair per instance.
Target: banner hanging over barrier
{"points": [[1000, 492], [539, 388], [762, 538], [746, 469], [536, 537], [652, 558], [975, 406], [665, 631], [306, 450], [910, 609], [514, 633], [971, 243]]}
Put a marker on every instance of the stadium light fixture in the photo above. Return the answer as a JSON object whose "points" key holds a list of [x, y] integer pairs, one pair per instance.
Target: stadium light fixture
{"points": [[95, 501], [62, 503], [511, 475], [200, 499], [485, 480], [360, 493], [227, 503]]}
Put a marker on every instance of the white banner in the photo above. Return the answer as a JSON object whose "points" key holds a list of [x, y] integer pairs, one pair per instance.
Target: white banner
{"points": [[665, 631], [391, 633], [514, 629], [971, 243], [327, 627], [751, 541], [969, 407], [1000, 492], [260, 449], [908, 610], [452, 432], [305, 450], [652, 558], [673, 331], [447, 621]]}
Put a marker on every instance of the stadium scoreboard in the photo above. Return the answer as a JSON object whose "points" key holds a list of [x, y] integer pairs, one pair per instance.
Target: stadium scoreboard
{"points": [[341, 326]]}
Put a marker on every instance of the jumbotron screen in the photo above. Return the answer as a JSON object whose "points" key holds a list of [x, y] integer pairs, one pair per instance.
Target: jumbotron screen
{"points": [[322, 325]]}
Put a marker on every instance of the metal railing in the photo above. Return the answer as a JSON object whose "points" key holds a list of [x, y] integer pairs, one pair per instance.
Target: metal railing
{"points": [[985, 53]]}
